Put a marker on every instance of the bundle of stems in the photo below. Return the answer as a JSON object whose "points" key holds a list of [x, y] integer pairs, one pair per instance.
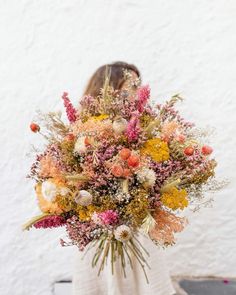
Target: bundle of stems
{"points": [[107, 247]]}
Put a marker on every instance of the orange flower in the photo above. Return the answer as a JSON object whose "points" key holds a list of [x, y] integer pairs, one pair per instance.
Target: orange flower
{"points": [[48, 168], [97, 129], [168, 129], [133, 161], [125, 154], [117, 170], [127, 172]]}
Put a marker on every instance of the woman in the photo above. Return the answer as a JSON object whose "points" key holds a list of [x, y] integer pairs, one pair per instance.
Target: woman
{"points": [[85, 279]]}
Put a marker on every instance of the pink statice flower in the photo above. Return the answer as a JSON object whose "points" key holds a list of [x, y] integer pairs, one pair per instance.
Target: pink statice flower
{"points": [[50, 222], [108, 217], [143, 96], [70, 110]]}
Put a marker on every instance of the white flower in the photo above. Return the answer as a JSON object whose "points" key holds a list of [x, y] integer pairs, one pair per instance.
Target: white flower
{"points": [[119, 125], [146, 176], [121, 196], [84, 198], [80, 146], [63, 191], [123, 233], [49, 190]]}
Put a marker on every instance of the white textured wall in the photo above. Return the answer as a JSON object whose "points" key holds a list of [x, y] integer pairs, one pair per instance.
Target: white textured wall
{"points": [[47, 47]]}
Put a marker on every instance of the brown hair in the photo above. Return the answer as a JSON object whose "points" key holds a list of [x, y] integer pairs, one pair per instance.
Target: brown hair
{"points": [[116, 75]]}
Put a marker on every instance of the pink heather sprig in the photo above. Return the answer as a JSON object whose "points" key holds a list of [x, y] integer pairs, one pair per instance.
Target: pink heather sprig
{"points": [[164, 171], [80, 233], [133, 129], [169, 113], [70, 110], [127, 108], [108, 217], [196, 163], [50, 222], [89, 104], [143, 96]]}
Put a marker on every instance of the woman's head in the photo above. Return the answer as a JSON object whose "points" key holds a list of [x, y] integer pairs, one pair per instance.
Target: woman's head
{"points": [[116, 77]]}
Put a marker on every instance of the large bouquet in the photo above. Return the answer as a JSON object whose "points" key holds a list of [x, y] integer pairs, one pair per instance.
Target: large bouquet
{"points": [[119, 168]]}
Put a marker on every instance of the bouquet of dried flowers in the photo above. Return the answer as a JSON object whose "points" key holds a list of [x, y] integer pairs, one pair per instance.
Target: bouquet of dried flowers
{"points": [[118, 168]]}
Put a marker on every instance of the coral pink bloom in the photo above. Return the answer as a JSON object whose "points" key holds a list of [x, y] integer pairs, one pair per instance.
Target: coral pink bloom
{"points": [[125, 153], [117, 170], [127, 172], [133, 161]]}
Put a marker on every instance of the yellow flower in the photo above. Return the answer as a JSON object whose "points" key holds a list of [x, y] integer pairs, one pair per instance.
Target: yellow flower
{"points": [[100, 117], [145, 120], [175, 199], [157, 149], [85, 213], [136, 210]]}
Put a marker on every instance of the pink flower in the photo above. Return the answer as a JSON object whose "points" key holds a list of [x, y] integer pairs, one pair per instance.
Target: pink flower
{"points": [[70, 110], [143, 96], [50, 221], [79, 233], [133, 129], [108, 217]]}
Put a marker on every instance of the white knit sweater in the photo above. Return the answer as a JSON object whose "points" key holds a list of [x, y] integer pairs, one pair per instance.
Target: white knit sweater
{"points": [[86, 281]]}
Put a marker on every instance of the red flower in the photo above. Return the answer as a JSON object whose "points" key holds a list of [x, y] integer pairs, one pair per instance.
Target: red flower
{"points": [[207, 150], [133, 161], [34, 127], [188, 151]]}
